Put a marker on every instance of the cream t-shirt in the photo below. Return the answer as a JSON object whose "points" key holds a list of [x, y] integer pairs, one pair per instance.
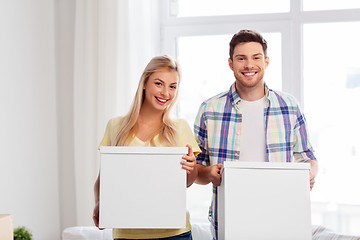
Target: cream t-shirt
{"points": [[185, 136]]}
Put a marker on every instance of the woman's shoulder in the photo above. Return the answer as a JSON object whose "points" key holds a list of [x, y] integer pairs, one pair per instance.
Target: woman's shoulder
{"points": [[180, 123], [116, 121]]}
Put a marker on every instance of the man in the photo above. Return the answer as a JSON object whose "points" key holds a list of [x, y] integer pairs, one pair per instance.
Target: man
{"points": [[250, 122]]}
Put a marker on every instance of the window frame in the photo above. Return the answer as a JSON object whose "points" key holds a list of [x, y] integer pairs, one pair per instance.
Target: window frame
{"points": [[289, 24]]}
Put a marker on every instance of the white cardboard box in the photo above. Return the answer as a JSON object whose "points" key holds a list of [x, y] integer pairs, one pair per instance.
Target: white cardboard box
{"points": [[6, 227], [142, 187], [267, 201]]}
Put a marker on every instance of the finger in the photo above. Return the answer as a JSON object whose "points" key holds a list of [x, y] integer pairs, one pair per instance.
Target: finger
{"points": [[216, 182], [190, 151], [219, 166], [96, 221], [187, 168], [187, 164], [189, 158]]}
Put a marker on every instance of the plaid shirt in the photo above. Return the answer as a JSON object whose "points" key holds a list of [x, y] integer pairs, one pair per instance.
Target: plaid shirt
{"points": [[218, 132]]}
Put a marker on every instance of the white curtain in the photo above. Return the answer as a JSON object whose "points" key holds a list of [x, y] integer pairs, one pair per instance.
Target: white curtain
{"points": [[94, 93], [114, 39]]}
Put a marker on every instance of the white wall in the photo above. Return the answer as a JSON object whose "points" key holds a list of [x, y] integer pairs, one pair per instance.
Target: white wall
{"points": [[48, 163], [64, 42], [29, 182]]}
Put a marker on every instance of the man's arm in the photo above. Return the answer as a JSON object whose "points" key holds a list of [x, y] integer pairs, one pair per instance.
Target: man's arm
{"points": [[303, 151], [207, 174]]}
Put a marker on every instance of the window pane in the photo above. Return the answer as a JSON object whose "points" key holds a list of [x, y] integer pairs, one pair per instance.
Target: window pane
{"points": [[332, 103], [189, 8], [313, 5], [205, 73], [205, 69]]}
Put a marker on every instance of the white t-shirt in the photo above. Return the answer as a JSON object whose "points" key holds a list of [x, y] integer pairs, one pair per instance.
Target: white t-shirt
{"points": [[252, 145]]}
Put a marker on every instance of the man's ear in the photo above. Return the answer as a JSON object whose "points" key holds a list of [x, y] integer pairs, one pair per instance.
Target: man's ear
{"points": [[266, 62], [230, 64]]}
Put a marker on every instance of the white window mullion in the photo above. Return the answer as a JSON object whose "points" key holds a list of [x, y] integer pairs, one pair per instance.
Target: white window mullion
{"points": [[292, 54]]}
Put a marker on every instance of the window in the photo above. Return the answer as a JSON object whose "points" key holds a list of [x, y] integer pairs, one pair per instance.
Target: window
{"points": [[313, 55], [187, 8], [332, 100], [205, 69], [311, 5]]}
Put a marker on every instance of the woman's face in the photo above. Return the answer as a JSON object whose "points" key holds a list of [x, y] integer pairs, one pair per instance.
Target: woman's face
{"points": [[160, 89]]}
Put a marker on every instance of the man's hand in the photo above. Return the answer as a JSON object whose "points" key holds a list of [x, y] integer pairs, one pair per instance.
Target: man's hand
{"points": [[313, 172], [312, 180], [214, 174], [207, 174]]}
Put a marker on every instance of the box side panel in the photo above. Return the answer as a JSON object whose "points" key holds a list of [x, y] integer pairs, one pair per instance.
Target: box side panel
{"points": [[6, 227], [139, 191], [275, 201], [221, 205]]}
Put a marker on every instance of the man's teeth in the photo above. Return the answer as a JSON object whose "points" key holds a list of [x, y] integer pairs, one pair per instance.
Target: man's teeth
{"points": [[249, 74]]}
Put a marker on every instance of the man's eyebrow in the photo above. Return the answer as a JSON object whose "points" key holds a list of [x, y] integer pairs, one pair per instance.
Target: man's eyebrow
{"points": [[243, 55]]}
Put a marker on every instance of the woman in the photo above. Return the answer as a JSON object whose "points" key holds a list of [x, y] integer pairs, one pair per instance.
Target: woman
{"points": [[148, 124]]}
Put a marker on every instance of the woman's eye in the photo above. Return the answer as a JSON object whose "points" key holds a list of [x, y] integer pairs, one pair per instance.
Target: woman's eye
{"points": [[173, 87], [158, 83]]}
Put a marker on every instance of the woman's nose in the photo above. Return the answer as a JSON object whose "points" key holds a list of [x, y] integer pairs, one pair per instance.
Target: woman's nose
{"points": [[165, 92]]}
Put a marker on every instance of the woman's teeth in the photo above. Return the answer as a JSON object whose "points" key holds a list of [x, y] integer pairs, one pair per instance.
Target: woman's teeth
{"points": [[161, 100]]}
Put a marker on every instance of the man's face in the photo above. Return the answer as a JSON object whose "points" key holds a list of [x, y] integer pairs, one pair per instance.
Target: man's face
{"points": [[248, 65]]}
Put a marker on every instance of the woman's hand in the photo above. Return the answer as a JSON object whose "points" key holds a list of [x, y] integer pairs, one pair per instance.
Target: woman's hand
{"points": [[189, 164], [96, 215], [96, 208]]}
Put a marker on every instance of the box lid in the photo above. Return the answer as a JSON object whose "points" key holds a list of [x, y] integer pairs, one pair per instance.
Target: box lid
{"points": [[144, 150], [267, 165]]}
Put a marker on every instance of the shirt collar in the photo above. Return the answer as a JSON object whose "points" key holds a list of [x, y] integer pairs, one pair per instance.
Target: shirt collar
{"points": [[234, 96]]}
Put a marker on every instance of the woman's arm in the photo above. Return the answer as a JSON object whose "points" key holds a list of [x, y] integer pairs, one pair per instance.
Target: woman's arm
{"points": [[97, 198]]}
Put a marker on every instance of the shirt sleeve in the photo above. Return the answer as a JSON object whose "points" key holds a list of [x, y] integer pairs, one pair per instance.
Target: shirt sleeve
{"points": [[111, 131], [106, 141], [200, 130], [187, 136], [303, 150]]}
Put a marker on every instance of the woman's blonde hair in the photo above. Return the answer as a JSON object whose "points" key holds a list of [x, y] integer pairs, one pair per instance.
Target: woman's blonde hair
{"points": [[167, 132]]}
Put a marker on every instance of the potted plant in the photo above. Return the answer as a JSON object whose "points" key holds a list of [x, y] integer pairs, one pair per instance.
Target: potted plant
{"points": [[22, 233]]}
